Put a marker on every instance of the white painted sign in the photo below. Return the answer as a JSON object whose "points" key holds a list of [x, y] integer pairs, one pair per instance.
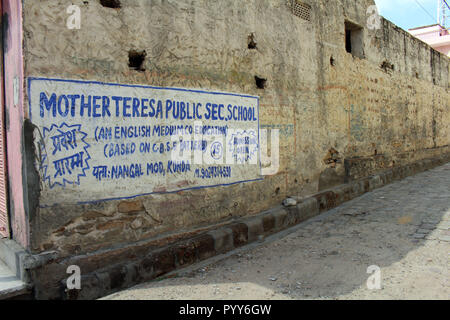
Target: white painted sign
{"points": [[100, 141]]}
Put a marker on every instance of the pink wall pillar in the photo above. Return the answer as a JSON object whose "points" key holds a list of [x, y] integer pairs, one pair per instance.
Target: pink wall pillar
{"points": [[14, 90]]}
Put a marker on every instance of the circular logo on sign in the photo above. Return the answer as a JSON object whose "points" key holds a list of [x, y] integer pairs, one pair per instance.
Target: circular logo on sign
{"points": [[216, 150]]}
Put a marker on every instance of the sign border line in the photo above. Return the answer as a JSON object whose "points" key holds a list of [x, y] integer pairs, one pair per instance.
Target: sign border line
{"points": [[30, 79]]}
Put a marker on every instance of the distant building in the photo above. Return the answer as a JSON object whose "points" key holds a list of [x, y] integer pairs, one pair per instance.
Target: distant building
{"points": [[435, 35]]}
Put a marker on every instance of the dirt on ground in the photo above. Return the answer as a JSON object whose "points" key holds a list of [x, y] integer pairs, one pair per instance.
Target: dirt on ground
{"points": [[402, 230]]}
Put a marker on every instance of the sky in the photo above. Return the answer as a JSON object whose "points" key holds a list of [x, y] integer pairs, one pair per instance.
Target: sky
{"points": [[408, 14]]}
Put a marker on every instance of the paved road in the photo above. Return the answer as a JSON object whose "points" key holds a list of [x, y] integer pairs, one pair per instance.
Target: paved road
{"points": [[402, 228]]}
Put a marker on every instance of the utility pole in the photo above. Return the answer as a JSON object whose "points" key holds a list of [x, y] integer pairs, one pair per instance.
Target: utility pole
{"points": [[443, 11]]}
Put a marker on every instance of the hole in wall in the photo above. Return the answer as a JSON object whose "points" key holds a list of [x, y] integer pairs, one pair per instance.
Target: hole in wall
{"points": [[354, 39], [136, 60], [115, 4], [251, 42], [277, 190], [348, 41], [386, 66], [332, 158], [332, 61], [260, 82]]}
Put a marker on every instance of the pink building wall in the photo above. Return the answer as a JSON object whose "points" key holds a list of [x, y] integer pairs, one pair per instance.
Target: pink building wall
{"points": [[14, 85], [436, 36]]}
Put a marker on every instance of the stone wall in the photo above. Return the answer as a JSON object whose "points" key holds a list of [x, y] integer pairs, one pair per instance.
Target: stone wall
{"points": [[339, 114]]}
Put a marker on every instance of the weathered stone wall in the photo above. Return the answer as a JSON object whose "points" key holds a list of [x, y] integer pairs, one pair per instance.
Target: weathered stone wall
{"points": [[338, 121]]}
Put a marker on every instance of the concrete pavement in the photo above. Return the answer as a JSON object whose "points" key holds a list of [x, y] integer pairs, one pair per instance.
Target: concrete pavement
{"points": [[402, 229], [10, 284]]}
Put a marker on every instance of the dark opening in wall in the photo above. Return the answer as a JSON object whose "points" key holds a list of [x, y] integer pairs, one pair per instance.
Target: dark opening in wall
{"points": [[136, 60], [348, 41], [251, 42], [354, 39], [115, 4], [260, 82], [332, 61], [387, 66], [332, 158]]}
